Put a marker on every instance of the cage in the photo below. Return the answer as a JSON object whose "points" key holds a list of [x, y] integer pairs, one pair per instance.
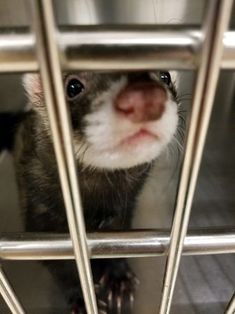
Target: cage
{"points": [[182, 242]]}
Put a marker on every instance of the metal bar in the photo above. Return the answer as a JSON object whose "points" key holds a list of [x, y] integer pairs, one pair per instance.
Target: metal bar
{"points": [[142, 243], [9, 295], [17, 51], [130, 48], [44, 26], [228, 59], [231, 306], [147, 48], [215, 25]]}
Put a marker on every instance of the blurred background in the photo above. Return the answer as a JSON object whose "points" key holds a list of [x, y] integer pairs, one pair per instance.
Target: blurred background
{"points": [[205, 283]]}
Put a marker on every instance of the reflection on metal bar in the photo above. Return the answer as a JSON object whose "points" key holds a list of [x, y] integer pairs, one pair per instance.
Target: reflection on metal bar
{"points": [[44, 26], [8, 295], [228, 59], [17, 51], [130, 48], [231, 306], [136, 48], [216, 23], [147, 243]]}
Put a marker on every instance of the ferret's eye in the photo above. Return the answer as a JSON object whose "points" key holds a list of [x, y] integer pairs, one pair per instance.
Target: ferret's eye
{"points": [[73, 87], [165, 78]]}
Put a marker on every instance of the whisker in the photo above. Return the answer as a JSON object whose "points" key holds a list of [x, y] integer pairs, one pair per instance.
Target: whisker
{"points": [[84, 152], [179, 145], [185, 94]]}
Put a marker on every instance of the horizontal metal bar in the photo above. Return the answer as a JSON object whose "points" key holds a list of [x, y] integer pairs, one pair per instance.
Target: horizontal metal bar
{"points": [[126, 48], [9, 295], [130, 48], [17, 51], [142, 243], [231, 306]]}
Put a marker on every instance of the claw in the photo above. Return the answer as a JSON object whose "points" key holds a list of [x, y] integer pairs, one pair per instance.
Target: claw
{"points": [[136, 280], [132, 301], [103, 280], [102, 303], [116, 292], [97, 288], [122, 289], [110, 299], [133, 277], [119, 304]]}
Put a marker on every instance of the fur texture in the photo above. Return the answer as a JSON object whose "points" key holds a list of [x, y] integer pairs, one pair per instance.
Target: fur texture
{"points": [[111, 174]]}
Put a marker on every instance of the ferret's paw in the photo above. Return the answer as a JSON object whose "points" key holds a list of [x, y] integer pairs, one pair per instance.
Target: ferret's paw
{"points": [[117, 289]]}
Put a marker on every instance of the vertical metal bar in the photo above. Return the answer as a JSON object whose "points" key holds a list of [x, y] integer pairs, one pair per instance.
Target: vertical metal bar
{"points": [[9, 295], [231, 306], [44, 25], [215, 24]]}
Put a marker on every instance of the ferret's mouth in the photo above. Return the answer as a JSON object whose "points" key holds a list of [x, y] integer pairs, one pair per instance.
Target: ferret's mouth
{"points": [[138, 137], [130, 142]]}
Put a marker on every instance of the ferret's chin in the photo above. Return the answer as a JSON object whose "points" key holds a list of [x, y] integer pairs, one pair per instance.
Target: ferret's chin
{"points": [[124, 156]]}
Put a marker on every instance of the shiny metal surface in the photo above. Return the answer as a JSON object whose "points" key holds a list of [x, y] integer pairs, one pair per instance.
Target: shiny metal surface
{"points": [[231, 306], [215, 24], [17, 51], [128, 12], [119, 47], [115, 245], [44, 27], [9, 295], [228, 60]]}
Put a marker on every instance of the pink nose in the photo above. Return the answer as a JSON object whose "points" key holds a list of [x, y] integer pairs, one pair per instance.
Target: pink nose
{"points": [[141, 102]]}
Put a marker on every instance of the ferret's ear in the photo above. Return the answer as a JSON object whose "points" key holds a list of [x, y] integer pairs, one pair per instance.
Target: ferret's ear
{"points": [[33, 87]]}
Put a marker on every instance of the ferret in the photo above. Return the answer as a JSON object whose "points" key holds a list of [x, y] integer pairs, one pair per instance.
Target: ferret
{"points": [[121, 123]]}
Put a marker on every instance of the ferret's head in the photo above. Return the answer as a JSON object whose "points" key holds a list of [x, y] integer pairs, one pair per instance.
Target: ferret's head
{"points": [[120, 120]]}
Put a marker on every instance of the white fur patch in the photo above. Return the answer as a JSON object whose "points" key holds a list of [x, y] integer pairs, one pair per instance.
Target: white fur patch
{"points": [[106, 130]]}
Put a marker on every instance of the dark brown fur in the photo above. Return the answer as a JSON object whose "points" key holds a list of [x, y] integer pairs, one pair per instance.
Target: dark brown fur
{"points": [[108, 197]]}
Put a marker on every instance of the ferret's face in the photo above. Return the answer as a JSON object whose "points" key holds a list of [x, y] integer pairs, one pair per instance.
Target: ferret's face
{"points": [[120, 120]]}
